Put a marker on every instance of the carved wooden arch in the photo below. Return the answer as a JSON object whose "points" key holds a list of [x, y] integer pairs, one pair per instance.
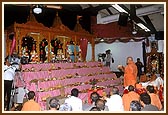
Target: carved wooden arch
{"points": [[81, 33], [58, 29], [158, 61]]}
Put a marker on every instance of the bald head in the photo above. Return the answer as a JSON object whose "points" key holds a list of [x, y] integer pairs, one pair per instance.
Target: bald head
{"points": [[129, 59]]}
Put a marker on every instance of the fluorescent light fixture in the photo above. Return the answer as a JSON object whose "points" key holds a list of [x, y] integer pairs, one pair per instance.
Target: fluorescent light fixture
{"points": [[143, 27], [37, 10], [134, 32], [102, 40], [117, 7], [53, 6]]}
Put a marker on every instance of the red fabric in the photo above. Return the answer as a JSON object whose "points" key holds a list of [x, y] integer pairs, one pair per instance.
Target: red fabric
{"points": [[125, 91], [112, 30], [140, 90], [13, 46], [161, 94], [83, 46]]}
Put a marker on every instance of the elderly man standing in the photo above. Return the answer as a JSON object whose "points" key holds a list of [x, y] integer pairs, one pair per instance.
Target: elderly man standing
{"points": [[130, 72]]}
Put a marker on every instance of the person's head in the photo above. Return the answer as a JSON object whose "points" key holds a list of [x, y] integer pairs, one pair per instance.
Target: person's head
{"points": [[114, 91], [7, 61], [94, 96], [129, 60], [54, 103], [100, 104], [74, 92], [108, 51], [153, 76], [135, 106], [162, 76], [94, 109], [145, 99], [31, 95], [131, 88], [138, 59], [150, 89]]}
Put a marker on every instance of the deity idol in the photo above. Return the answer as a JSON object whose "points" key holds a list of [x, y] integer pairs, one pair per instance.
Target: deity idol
{"points": [[34, 55]]}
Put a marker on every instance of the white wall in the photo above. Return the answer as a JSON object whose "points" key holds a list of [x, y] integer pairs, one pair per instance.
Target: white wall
{"points": [[121, 51], [161, 46]]}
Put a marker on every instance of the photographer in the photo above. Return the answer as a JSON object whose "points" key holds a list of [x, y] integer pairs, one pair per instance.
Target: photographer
{"points": [[9, 73], [109, 59]]}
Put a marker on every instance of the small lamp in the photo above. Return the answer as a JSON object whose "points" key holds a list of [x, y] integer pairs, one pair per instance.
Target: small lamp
{"points": [[37, 9]]}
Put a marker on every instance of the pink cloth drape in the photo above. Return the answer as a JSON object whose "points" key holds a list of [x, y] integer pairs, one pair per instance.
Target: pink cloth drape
{"points": [[13, 46], [83, 46]]}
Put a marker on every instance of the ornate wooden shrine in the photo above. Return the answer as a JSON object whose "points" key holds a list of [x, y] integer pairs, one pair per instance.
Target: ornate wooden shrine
{"points": [[155, 60], [42, 44]]}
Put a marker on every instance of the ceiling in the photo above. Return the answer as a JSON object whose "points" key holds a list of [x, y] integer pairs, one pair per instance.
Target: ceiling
{"points": [[151, 15]]}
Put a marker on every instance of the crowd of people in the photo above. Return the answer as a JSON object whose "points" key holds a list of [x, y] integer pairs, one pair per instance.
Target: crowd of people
{"points": [[130, 101], [148, 98]]}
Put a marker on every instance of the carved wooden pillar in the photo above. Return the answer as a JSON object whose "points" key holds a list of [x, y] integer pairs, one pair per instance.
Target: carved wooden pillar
{"points": [[93, 49], [18, 41], [37, 46], [75, 54], [8, 42], [49, 45], [21, 37], [64, 46]]}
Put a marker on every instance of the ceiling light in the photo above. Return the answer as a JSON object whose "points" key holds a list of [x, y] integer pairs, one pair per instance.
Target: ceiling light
{"points": [[134, 28], [37, 9], [120, 9], [134, 32], [102, 40], [143, 27], [53, 6]]}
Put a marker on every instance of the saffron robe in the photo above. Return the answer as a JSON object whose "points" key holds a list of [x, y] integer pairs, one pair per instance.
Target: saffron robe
{"points": [[130, 74]]}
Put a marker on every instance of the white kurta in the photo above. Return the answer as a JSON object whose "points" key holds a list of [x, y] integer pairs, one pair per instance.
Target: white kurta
{"points": [[75, 102], [115, 103]]}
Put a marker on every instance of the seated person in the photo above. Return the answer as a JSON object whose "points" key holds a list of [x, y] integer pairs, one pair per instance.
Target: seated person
{"points": [[115, 103], [154, 97], [145, 101], [74, 101], [130, 96], [101, 105], [94, 97], [157, 82], [31, 105], [135, 106], [54, 104]]}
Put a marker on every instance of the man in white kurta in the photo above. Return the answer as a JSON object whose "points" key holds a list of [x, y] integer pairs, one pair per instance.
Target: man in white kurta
{"points": [[115, 102], [74, 101]]}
